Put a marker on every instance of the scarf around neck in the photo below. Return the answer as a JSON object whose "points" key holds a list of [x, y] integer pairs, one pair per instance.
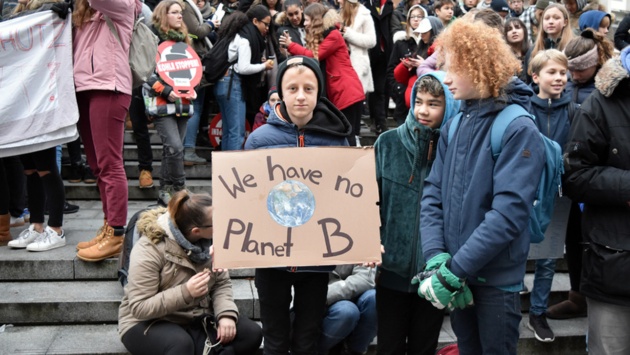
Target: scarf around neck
{"points": [[172, 35], [198, 253]]}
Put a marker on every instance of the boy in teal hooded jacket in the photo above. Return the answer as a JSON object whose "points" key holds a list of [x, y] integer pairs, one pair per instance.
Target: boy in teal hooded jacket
{"points": [[403, 160]]}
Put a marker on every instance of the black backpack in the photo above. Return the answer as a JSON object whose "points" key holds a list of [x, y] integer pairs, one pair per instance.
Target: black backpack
{"points": [[131, 237], [215, 62]]}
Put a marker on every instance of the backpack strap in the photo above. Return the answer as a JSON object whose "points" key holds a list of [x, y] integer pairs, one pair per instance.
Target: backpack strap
{"points": [[453, 127], [573, 106], [503, 119], [110, 24]]}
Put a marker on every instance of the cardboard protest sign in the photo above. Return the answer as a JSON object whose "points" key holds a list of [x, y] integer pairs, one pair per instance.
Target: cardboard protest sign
{"points": [[179, 66], [295, 207]]}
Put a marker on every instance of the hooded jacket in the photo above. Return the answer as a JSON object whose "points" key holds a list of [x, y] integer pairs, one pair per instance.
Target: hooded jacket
{"points": [[158, 272], [403, 159], [552, 117], [597, 163], [475, 208], [592, 19]]}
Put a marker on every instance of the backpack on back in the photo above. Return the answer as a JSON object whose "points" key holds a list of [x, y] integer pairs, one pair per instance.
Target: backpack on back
{"points": [[550, 184], [131, 237], [215, 62], [142, 51]]}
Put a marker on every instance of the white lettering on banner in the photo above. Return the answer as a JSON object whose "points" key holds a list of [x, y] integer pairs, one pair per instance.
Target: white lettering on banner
{"points": [[38, 104]]}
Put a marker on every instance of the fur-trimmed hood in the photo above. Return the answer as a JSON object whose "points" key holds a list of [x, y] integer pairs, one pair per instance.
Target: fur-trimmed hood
{"points": [[148, 227], [331, 19], [610, 75]]}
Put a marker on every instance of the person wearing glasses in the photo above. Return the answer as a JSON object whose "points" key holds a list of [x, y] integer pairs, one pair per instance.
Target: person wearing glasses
{"points": [[175, 301], [241, 86]]}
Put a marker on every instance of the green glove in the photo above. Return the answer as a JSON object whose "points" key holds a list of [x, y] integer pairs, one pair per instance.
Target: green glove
{"points": [[440, 288], [436, 261], [462, 299]]}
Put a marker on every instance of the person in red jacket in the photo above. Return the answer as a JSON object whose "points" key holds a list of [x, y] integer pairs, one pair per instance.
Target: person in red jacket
{"points": [[325, 43]]}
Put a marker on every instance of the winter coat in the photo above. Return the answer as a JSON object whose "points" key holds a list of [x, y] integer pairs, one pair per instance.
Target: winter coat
{"points": [[100, 61], [398, 76], [348, 282], [622, 34], [552, 117], [197, 28], [475, 208], [261, 116], [360, 37], [597, 165], [328, 127], [404, 157], [343, 87], [579, 92], [297, 34], [382, 24], [158, 271]]}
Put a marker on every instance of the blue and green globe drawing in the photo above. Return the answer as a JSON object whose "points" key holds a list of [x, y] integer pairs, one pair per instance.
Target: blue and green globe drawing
{"points": [[291, 203]]}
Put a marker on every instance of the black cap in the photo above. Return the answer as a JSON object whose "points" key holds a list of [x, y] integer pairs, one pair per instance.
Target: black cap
{"points": [[300, 60]]}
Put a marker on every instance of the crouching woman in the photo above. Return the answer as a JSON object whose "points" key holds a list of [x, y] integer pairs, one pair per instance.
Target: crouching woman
{"points": [[174, 300]]}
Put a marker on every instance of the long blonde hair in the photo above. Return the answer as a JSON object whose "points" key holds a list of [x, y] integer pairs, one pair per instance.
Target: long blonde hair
{"points": [[315, 33], [349, 12], [83, 12], [160, 18], [565, 36], [32, 5]]}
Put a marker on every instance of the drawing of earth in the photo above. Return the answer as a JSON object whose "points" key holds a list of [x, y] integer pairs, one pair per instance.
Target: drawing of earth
{"points": [[291, 203]]}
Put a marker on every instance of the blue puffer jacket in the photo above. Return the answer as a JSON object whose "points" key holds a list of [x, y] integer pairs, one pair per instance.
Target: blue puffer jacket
{"points": [[328, 127], [403, 160], [477, 209], [552, 117]]}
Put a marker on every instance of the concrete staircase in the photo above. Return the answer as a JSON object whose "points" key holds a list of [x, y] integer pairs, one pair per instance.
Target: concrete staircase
{"points": [[54, 303]]}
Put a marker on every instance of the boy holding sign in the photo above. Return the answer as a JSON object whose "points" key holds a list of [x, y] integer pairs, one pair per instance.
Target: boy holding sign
{"points": [[404, 157], [302, 119]]}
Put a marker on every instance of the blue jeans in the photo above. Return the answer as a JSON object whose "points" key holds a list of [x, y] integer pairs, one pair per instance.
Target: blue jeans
{"points": [[491, 325], [353, 321], [232, 112], [545, 269], [192, 126]]}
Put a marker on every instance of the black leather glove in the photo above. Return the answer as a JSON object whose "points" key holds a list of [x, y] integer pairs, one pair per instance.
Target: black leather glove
{"points": [[61, 9]]}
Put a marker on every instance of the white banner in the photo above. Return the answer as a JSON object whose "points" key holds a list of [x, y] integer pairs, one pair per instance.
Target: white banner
{"points": [[38, 109]]}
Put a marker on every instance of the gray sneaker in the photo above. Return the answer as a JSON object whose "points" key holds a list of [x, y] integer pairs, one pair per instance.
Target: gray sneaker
{"points": [[191, 158], [164, 195], [25, 238]]}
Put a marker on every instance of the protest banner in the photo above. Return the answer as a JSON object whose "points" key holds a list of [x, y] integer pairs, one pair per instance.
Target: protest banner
{"points": [[38, 108], [295, 207], [179, 66]]}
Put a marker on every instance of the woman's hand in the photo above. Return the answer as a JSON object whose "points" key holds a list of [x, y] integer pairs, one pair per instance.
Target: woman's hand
{"points": [[198, 284], [193, 95], [226, 330], [373, 264], [212, 255], [268, 64], [172, 96], [415, 62], [285, 40]]}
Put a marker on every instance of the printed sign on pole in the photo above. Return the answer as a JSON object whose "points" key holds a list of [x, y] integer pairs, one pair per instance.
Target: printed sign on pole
{"points": [[179, 66], [295, 207]]}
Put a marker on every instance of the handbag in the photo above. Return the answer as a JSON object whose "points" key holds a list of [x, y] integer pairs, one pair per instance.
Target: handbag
{"points": [[210, 327]]}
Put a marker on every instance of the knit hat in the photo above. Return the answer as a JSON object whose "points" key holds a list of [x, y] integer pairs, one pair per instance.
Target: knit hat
{"points": [[542, 4], [300, 60], [272, 90], [499, 6]]}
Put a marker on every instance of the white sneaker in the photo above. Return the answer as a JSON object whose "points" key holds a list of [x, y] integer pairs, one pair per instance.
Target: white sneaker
{"points": [[16, 222], [48, 240], [25, 238]]}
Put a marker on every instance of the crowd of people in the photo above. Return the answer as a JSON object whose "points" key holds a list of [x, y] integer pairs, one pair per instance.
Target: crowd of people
{"points": [[454, 217]]}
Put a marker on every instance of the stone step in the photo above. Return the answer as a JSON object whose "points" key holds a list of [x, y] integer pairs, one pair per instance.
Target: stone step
{"points": [[103, 339], [202, 171], [86, 302], [83, 191]]}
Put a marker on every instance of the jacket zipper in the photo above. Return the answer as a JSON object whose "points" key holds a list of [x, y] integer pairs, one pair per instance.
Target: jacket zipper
{"points": [[549, 118], [301, 138]]}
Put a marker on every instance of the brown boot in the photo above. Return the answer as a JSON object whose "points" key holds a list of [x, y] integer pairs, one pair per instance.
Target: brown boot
{"points": [[109, 246], [5, 235], [99, 236], [574, 307]]}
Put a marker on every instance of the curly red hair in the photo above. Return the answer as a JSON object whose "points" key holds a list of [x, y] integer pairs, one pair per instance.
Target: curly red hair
{"points": [[479, 52]]}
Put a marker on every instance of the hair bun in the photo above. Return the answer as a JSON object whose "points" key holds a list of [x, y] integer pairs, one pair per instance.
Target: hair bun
{"points": [[588, 33]]}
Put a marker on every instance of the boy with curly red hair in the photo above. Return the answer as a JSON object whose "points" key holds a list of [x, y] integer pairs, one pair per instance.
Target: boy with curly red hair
{"points": [[475, 208]]}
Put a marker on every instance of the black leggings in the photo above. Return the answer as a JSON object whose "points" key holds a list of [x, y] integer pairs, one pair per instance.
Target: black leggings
{"points": [[353, 114], [49, 186], [165, 337]]}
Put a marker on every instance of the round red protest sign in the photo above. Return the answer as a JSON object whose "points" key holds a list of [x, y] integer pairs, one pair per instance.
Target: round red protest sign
{"points": [[179, 66], [216, 131]]}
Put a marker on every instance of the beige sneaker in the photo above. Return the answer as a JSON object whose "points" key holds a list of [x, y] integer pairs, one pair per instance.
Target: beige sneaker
{"points": [[108, 247], [99, 236], [146, 180]]}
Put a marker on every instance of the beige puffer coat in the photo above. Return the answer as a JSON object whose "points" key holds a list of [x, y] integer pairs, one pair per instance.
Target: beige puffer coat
{"points": [[158, 272]]}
